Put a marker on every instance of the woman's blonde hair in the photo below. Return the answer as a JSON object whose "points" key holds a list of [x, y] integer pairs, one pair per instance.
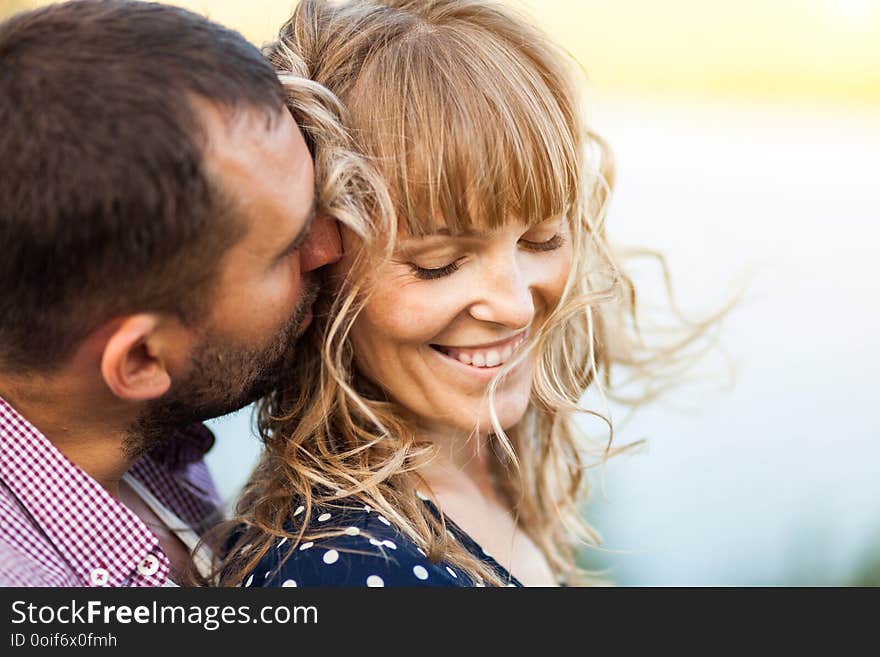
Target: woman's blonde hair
{"points": [[459, 109]]}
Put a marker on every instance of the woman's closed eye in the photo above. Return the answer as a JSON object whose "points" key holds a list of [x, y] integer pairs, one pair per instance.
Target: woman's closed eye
{"points": [[546, 245], [437, 272]]}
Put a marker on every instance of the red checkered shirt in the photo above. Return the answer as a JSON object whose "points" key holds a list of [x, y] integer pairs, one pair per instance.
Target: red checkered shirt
{"points": [[61, 528]]}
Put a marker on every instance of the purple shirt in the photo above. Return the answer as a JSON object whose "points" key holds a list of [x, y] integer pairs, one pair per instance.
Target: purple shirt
{"points": [[62, 528]]}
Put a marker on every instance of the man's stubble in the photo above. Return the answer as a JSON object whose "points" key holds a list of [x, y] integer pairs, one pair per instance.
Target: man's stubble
{"points": [[222, 378]]}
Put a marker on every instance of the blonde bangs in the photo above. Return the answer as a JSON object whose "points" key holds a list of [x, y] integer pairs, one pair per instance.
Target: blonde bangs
{"points": [[467, 130]]}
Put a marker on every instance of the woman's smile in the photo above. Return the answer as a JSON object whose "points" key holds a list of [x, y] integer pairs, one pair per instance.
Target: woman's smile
{"points": [[482, 361]]}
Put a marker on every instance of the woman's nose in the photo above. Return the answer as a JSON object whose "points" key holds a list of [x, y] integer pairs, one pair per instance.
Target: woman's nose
{"points": [[505, 296], [322, 246]]}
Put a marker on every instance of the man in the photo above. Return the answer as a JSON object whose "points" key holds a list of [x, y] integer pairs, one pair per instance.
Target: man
{"points": [[159, 242]]}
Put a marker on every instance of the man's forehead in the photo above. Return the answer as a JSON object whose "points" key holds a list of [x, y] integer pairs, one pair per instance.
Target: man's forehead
{"points": [[255, 139], [263, 168], [223, 123]]}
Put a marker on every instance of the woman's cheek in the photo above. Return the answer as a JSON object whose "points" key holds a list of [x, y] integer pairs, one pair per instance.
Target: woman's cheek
{"points": [[549, 275], [563, 265], [413, 313]]}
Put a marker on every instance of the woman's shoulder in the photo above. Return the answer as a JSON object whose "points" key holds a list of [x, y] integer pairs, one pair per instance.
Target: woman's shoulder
{"points": [[368, 551]]}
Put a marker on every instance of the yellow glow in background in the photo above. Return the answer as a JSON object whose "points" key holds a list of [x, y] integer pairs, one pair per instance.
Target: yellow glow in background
{"points": [[815, 50]]}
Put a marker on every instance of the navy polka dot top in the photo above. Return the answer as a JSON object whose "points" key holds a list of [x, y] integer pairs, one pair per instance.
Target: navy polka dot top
{"points": [[371, 553]]}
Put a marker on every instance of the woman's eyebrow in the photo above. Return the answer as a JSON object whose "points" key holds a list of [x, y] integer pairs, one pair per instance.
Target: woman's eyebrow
{"points": [[435, 240], [469, 232], [472, 232]]}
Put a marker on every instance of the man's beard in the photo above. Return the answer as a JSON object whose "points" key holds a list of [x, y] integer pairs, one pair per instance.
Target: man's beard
{"points": [[223, 378]]}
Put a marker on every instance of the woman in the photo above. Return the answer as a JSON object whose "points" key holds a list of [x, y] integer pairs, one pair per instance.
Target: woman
{"points": [[430, 441]]}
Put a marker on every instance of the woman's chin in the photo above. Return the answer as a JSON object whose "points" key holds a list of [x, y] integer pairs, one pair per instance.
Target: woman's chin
{"points": [[508, 412]]}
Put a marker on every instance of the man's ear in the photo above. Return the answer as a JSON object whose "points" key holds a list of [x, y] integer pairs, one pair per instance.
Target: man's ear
{"points": [[132, 364]]}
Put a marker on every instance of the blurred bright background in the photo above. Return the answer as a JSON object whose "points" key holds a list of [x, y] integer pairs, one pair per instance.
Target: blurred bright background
{"points": [[747, 142]]}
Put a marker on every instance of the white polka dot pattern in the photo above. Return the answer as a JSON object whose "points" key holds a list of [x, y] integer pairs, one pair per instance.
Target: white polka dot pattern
{"points": [[365, 549]]}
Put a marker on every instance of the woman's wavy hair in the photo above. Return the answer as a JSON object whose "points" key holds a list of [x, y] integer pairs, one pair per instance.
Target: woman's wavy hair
{"points": [[459, 109]]}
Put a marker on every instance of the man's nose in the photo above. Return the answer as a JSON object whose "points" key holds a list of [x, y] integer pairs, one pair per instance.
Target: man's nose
{"points": [[323, 245]]}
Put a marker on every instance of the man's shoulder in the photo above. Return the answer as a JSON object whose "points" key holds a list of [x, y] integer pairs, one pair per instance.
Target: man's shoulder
{"points": [[26, 557], [20, 569]]}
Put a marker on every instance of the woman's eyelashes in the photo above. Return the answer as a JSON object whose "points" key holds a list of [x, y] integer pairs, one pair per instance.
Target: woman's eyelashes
{"points": [[549, 245], [439, 272], [428, 274]]}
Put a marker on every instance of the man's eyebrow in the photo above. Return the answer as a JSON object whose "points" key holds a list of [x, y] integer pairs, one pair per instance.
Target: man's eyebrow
{"points": [[300, 238]]}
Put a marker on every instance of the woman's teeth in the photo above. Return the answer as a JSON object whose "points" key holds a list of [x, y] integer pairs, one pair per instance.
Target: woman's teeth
{"points": [[491, 357]]}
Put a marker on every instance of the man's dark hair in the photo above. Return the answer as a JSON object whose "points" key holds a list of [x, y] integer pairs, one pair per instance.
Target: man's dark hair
{"points": [[105, 207]]}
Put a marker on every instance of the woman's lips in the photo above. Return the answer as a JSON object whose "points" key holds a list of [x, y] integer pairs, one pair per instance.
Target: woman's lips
{"points": [[483, 363], [485, 357]]}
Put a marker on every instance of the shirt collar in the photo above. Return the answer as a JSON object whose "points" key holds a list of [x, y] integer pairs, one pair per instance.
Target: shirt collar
{"points": [[187, 446], [89, 528]]}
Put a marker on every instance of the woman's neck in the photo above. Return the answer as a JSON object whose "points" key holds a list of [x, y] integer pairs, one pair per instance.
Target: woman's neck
{"points": [[462, 465]]}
